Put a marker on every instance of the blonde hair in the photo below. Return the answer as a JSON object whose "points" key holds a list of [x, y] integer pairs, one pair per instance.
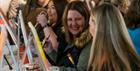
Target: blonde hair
{"points": [[118, 2], [112, 48]]}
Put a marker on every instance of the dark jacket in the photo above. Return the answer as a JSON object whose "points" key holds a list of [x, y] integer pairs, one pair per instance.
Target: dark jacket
{"points": [[80, 56]]}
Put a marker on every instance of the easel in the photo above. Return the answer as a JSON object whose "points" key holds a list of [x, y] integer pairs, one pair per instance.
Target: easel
{"points": [[27, 49], [43, 60], [27, 52], [4, 24]]}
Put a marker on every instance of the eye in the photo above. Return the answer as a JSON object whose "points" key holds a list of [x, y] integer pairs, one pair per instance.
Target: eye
{"points": [[69, 19], [53, 7]]}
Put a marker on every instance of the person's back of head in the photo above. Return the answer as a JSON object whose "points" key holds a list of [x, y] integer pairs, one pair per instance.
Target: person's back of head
{"points": [[112, 48], [133, 15]]}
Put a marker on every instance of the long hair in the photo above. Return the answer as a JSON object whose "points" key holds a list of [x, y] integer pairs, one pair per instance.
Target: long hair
{"points": [[112, 49], [82, 8], [59, 6]]}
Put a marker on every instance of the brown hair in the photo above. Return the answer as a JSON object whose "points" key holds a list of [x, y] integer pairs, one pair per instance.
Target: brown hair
{"points": [[79, 6], [59, 6], [112, 48], [133, 15]]}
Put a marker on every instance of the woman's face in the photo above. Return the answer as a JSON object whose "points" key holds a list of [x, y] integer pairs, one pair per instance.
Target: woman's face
{"points": [[51, 11], [75, 22], [92, 26], [125, 7]]}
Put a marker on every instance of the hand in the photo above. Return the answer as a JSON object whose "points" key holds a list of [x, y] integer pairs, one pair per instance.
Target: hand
{"points": [[13, 8], [42, 20], [51, 37], [33, 67], [47, 31]]}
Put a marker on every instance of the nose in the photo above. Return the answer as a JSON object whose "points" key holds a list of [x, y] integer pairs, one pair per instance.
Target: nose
{"points": [[73, 23], [48, 10]]}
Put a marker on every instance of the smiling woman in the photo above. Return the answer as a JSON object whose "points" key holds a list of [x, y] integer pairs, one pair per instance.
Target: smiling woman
{"points": [[75, 22]]}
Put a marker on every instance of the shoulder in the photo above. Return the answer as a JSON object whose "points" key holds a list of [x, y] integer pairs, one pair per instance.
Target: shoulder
{"points": [[86, 49], [88, 45], [84, 57]]}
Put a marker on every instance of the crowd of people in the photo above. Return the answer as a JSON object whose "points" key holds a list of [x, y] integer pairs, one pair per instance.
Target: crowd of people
{"points": [[86, 35]]}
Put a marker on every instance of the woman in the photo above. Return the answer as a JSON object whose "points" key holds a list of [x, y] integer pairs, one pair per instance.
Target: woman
{"points": [[53, 20], [112, 48], [133, 23], [74, 57], [51, 26]]}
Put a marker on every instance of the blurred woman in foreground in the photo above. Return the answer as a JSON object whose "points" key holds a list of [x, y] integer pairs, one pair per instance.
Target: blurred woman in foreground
{"points": [[112, 48]]}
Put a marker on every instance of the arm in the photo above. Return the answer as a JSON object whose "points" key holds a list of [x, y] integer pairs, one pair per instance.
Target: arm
{"points": [[52, 43]]}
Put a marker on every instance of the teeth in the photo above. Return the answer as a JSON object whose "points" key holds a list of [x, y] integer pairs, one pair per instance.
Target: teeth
{"points": [[75, 28]]}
